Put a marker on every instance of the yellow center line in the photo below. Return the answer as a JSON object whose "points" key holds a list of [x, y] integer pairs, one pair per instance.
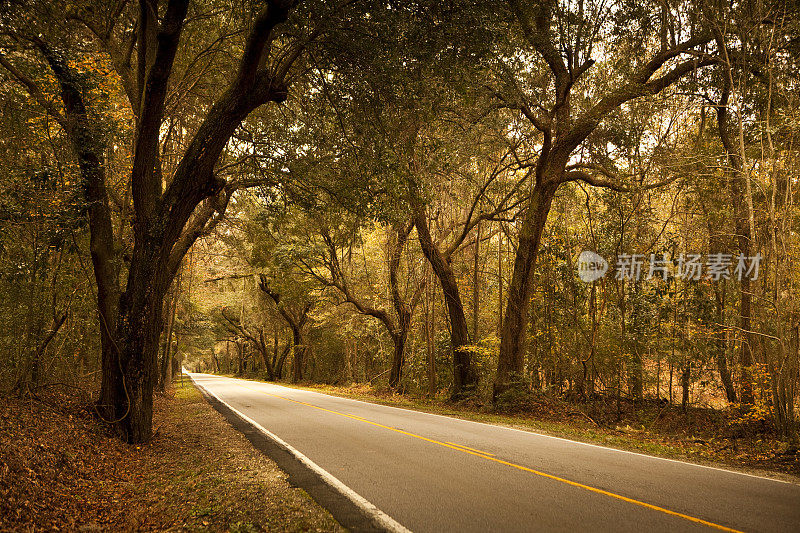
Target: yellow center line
{"points": [[489, 457], [470, 449]]}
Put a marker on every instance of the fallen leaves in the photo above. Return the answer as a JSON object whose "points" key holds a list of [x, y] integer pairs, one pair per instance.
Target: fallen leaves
{"points": [[62, 470]]}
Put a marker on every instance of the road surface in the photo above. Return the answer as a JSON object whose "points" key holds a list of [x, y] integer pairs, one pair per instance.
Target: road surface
{"points": [[428, 472]]}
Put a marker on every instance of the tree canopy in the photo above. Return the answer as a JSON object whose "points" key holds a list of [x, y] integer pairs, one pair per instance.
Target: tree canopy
{"points": [[399, 193]]}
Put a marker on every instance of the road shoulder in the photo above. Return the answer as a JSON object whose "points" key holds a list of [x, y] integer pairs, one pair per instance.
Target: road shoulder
{"points": [[348, 508], [62, 470]]}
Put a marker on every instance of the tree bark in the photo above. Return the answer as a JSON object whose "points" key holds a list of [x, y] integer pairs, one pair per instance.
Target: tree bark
{"points": [[430, 337], [721, 347], [298, 354], [465, 375], [743, 240], [131, 322], [562, 132], [404, 312], [166, 361], [511, 361], [686, 374], [476, 288], [296, 320]]}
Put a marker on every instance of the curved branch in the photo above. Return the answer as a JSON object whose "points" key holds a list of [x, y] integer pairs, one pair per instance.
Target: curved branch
{"points": [[35, 92], [610, 183]]}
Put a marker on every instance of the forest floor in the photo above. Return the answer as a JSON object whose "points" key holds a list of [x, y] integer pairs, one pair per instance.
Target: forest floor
{"points": [[705, 436], [61, 469]]}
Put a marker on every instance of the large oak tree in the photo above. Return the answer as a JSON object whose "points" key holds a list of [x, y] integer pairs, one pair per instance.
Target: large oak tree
{"points": [[564, 103], [169, 211]]}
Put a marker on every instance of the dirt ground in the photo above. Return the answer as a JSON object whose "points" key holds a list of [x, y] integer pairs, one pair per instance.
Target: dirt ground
{"points": [[62, 470]]}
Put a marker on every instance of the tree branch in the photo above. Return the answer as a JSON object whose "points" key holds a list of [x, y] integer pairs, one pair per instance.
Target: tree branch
{"points": [[611, 183], [35, 92]]}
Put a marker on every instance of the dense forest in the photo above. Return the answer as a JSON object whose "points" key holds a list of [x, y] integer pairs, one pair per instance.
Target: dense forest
{"points": [[404, 194]]}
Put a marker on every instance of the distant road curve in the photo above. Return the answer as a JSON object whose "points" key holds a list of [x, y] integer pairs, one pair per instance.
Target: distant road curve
{"points": [[428, 472]]}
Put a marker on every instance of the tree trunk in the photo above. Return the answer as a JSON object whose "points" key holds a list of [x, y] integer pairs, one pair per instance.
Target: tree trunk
{"points": [[404, 311], [217, 369], [86, 140], [476, 288], [465, 376], [398, 358], [278, 366], [299, 350], [296, 320], [685, 382], [130, 324], [264, 349], [742, 227], [138, 332], [511, 361], [38, 352], [348, 360], [500, 281], [166, 361], [720, 348], [430, 336]]}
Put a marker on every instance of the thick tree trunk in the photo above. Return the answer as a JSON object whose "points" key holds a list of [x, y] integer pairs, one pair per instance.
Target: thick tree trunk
{"points": [[138, 331], [215, 360], [241, 355], [511, 361], [264, 349], [465, 376], [500, 281], [267, 365], [398, 358], [161, 218], [105, 263], [279, 364], [138, 344], [404, 311]]}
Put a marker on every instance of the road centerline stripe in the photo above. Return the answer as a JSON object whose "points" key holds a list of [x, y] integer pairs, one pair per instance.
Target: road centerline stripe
{"points": [[470, 449], [490, 457]]}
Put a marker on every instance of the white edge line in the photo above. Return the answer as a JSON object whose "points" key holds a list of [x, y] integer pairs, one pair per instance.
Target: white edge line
{"points": [[362, 503], [521, 431]]}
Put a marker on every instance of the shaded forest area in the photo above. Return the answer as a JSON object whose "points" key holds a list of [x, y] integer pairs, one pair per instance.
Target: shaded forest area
{"points": [[398, 194]]}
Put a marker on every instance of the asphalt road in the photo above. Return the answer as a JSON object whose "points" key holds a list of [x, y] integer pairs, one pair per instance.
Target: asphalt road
{"points": [[435, 473]]}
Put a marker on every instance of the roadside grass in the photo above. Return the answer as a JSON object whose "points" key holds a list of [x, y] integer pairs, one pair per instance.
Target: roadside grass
{"points": [[60, 469], [702, 436]]}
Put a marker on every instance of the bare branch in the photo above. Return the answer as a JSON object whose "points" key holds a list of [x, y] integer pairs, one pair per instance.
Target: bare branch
{"points": [[610, 183]]}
